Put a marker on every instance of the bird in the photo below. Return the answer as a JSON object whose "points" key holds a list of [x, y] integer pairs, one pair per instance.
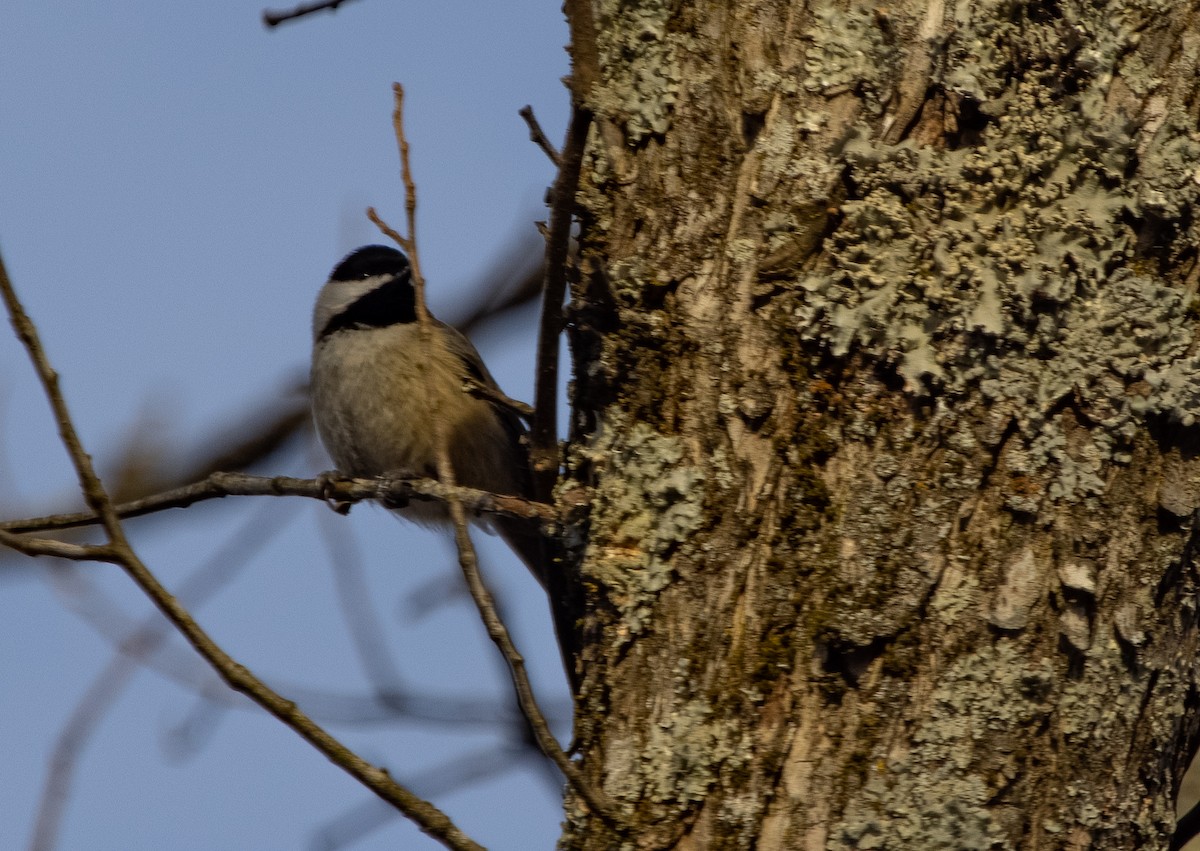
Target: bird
{"points": [[375, 386]]}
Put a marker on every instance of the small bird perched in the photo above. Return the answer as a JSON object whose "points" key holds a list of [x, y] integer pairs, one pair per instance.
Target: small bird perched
{"points": [[376, 386]]}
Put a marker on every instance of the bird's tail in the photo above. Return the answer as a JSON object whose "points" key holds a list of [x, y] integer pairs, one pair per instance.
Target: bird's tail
{"points": [[544, 561], [527, 541]]}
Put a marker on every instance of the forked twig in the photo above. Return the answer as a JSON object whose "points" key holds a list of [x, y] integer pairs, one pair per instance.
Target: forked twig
{"points": [[388, 231], [428, 817]]}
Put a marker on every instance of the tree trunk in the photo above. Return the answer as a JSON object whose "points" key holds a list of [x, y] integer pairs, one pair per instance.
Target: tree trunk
{"points": [[884, 452]]}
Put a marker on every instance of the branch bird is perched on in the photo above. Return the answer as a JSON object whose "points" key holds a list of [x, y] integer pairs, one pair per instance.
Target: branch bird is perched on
{"points": [[376, 387]]}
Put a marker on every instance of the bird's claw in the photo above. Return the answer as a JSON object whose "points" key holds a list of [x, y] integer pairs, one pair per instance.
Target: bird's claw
{"points": [[327, 483]]}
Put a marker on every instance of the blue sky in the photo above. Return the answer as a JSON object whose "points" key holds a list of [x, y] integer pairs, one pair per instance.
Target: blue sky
{"points": [[177, 182]]}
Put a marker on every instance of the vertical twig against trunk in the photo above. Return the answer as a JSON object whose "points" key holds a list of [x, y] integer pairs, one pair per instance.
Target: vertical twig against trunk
{"points": [[543, 451]]}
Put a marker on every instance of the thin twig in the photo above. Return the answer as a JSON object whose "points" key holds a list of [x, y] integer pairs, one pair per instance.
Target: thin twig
{"points": [[388, 231], [274, 19], [428, 817], [360, 820], [543, 451], [537, 136], [219, 485], [496, 397], [562, 585], [360, 709], [58, 549], [467, 557]]}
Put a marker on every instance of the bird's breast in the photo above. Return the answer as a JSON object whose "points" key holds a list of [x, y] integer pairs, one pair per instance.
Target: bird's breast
{"points": [[376, 393]]}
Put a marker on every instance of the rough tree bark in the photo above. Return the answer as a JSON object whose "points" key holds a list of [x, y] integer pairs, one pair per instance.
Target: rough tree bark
{"points": [[884, 458]]}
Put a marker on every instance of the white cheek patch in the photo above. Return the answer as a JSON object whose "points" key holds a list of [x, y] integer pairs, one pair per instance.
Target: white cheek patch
{"points": [[337, 296]]}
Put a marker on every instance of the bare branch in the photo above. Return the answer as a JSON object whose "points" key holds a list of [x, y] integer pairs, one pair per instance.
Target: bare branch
{"points": [[543, 451], [467, 557], [93, 492], [361, 709], [219, 485], [360, 820], [428, 817], [537, 136], [58, 549], [274, 19]]}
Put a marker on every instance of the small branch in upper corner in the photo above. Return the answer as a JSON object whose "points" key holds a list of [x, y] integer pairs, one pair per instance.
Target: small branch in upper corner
{"points": [[274, 18], [537, 136]]}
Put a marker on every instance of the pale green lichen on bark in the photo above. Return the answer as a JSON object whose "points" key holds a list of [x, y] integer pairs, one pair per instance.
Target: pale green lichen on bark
{"points": [[983, 30], [938, 795], [676, 759], [1083, 718], [957, 594], [1086, 723], [1029, 294], [640, 76], [640, 516], [1031, 297], [847, 51]]}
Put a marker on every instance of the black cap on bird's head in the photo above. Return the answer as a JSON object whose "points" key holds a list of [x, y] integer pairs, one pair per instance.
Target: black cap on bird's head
{"points": [[370, 288], [369, 261]]}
